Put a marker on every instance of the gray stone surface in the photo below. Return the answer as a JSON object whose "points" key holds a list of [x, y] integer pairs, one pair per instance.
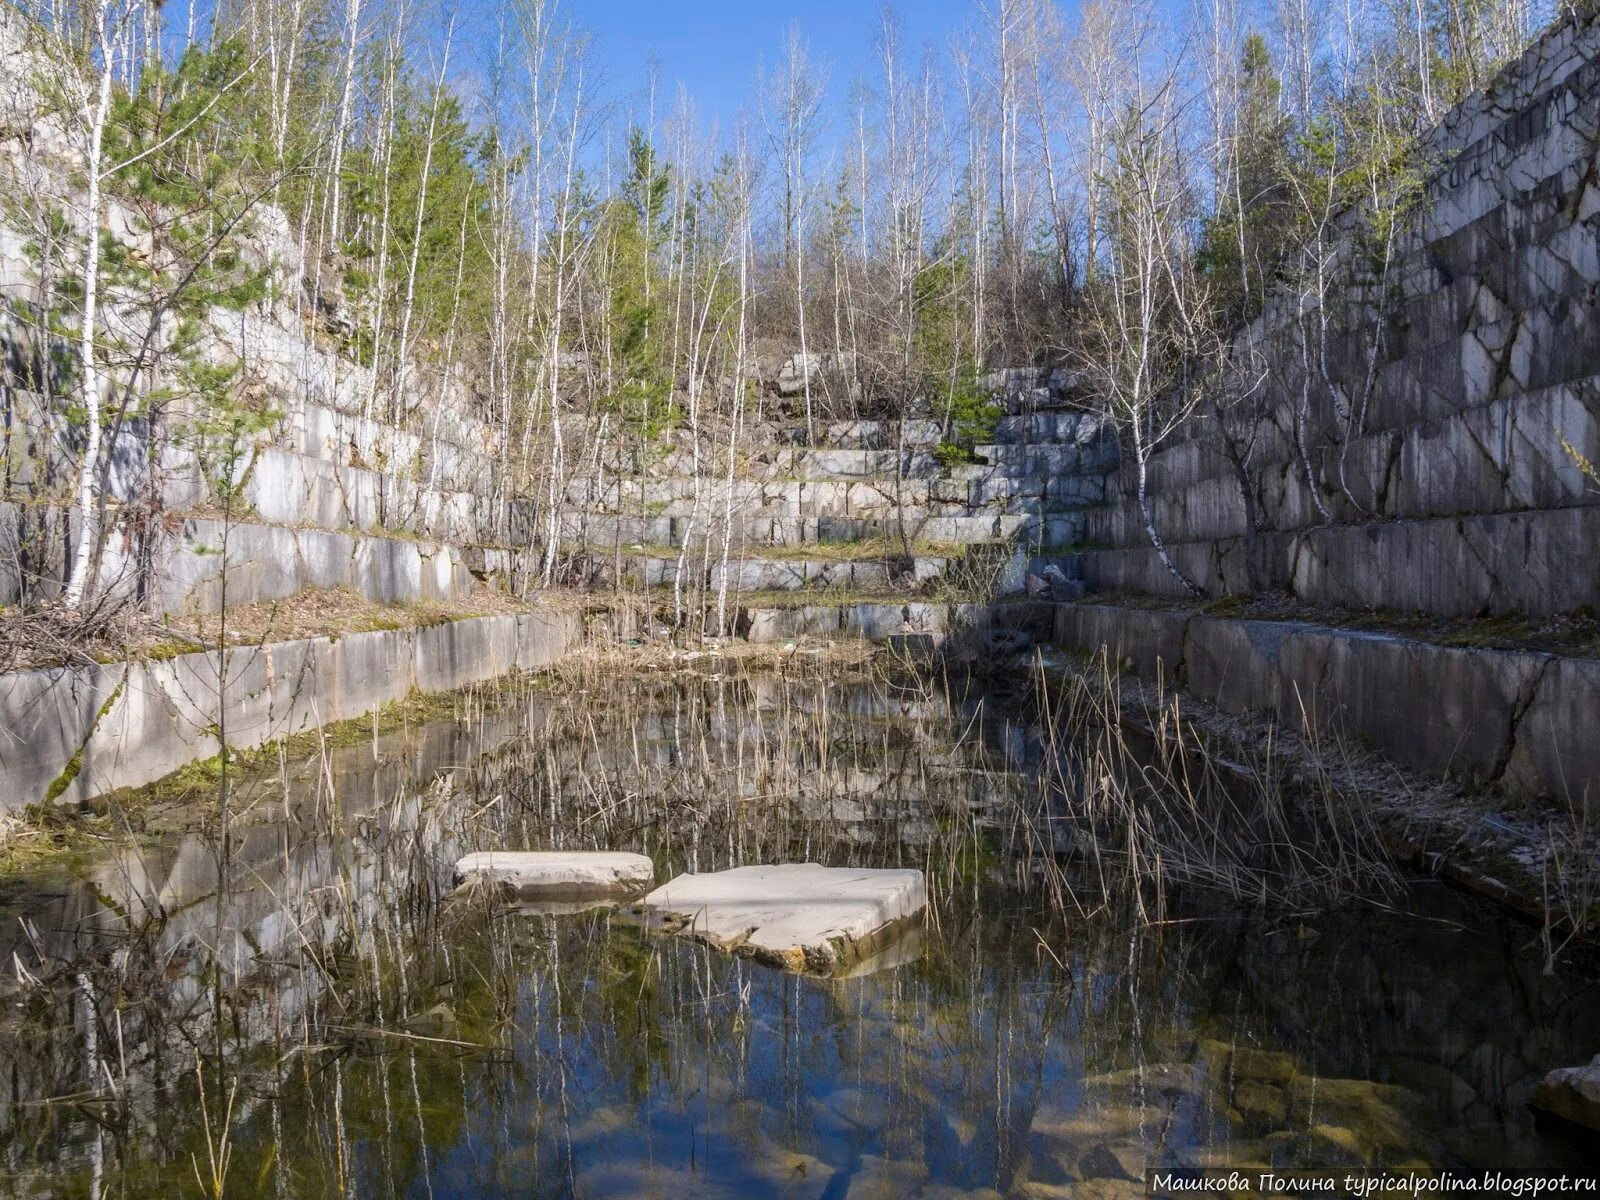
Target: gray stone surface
{"points": [[192, 566], [871, 622], [1236, 664], [1522, 720], [1485, 355], [1538, 563], [1506, 455], [558, 874], [1573, 1094], [70, 734], [798, 916], [1147, 640], [875, 622], [1555, 753]]}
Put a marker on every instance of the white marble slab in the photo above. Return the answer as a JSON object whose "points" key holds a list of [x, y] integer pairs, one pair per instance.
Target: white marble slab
{"points": [[799, 916], [559, 874]]}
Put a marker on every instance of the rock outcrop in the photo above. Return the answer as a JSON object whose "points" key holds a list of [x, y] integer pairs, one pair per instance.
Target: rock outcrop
{"points": [[1573, 1094]]}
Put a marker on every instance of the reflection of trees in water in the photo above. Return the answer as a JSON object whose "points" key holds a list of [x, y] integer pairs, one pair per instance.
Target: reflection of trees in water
{"points": [[384, 1041]]}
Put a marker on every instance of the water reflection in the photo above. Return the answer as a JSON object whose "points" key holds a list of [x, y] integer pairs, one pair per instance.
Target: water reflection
{"points": [[375, 1038]]}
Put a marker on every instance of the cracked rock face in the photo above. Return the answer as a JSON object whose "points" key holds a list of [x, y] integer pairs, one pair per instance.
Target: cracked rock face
{"points": [[559, 874], [797, 916], [1573, 1094]]}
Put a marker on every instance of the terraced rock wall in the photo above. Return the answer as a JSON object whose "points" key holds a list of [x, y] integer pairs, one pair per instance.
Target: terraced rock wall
{"points": [[75, 732], [837, 514], [390, 489], [1454, 494]]}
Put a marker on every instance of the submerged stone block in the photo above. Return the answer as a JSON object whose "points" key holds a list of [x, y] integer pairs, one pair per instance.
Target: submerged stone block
{"points": [[559, 874], [797, 916]]}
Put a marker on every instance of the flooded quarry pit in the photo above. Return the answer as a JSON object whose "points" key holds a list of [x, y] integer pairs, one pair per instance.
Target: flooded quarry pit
{"points": [[598, 606], [308, 1006]]}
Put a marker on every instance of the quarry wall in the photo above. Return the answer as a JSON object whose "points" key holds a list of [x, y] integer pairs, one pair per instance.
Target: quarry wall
{"points": [[1452, 494], [1453, 497]]}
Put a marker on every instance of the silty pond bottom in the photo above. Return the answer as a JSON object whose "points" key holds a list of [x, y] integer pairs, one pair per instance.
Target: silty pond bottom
{"points": [[327, 1024]]}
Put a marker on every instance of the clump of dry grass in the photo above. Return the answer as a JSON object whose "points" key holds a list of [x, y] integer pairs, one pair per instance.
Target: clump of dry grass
{"points": [[333, 612], [53, 635], [1135, 787], [719, 657]]}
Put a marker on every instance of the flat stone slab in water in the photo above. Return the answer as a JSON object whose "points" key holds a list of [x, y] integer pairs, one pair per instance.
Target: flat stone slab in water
{"points": [[559, 874], [798, 916]]}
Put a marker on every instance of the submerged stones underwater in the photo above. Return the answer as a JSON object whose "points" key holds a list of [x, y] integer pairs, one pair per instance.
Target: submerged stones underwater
{"points": [[352, 1033]]}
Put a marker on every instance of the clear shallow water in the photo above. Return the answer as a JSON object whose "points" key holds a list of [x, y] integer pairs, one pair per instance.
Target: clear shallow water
{"points": [[377, 1040]]}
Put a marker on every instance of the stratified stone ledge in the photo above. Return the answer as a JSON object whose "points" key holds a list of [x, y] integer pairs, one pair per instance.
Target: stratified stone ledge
{"points": [[559, 874], [796, 916], [1518, 719], [1573, 1094]]}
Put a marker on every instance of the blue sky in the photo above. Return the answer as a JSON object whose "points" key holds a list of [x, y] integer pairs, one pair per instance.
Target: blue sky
{"points": [[715, 47]]}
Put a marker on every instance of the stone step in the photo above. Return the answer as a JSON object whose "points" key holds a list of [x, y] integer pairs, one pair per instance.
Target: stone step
{"points": [[1096, 454], [1553, 64], [607, 529], [778, 463], [1052, 426], [194, 565], [1508, 446], [1440, 380], [277, 484], [1493, 198], [1033, 493], [1478, 356], [795, 916], [282, 487], [298, 372], [557, 874], [755, 574], [1534, 348], [1024, 461], [1527, 252], [1519, 719], [85, 729], [916, 433], [346, 439], [1041, 525], [676, 496], [1530, 353], [866, 434], [1447, 566], [903, 621], [1504, 456]]}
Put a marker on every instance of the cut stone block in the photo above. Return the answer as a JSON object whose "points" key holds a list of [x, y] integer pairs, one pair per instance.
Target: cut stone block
{"points": [[559, 874], [1573, 1094], [797, 916]]}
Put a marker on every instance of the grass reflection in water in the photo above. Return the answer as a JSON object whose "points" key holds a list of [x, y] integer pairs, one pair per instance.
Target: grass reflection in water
{"points": [[353, 1033]]}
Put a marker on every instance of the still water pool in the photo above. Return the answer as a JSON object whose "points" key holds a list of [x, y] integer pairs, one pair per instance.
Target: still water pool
{"points": [[326, 1023]]}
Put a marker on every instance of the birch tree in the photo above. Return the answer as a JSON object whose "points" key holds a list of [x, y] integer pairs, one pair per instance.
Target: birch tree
{"points": [[110, 26], [1140, 307], [791, 112]]}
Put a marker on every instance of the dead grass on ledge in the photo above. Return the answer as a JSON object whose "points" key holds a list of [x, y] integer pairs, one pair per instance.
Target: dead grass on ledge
{"points": [[1572, 634], [54, 636], [1539, 858], [715, 657], [877, 548]]}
